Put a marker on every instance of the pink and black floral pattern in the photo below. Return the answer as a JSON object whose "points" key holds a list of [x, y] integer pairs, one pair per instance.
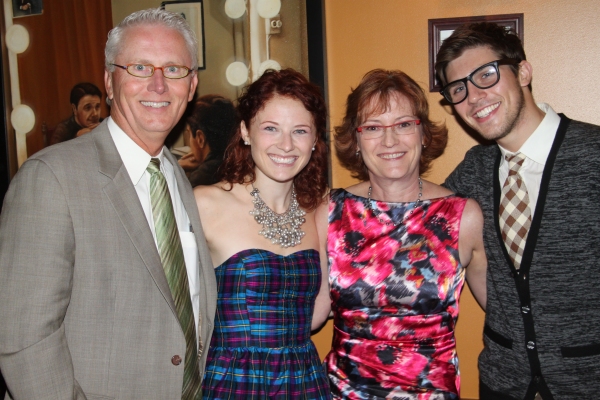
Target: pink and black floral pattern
{"points": [[394, 292]]}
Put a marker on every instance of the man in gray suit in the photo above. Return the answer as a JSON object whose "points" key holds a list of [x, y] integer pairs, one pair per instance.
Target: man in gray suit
{"points": [[87, 310]]}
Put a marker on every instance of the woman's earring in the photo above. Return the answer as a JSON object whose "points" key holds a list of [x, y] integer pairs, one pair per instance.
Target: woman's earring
{"points": [[247, 143], [313, 149]]}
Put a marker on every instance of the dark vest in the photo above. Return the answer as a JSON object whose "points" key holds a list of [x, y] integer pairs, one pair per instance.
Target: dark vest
{"points": [[542, 325]]}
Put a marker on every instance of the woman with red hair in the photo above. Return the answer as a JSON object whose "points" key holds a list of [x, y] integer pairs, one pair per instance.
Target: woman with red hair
{"points": [[266, 227]]}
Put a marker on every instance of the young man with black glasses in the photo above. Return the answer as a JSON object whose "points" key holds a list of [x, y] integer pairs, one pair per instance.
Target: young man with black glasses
{"points": [[538, 187]]}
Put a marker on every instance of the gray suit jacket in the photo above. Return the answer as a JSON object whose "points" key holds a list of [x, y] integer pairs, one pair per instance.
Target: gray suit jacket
{"points": [[86, 308]]}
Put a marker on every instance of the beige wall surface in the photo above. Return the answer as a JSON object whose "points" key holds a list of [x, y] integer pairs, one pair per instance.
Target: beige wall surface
{"points": [[562, 42]]}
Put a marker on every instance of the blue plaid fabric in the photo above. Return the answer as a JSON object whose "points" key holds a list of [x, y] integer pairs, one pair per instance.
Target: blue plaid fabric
{"points": [[261, 345]]}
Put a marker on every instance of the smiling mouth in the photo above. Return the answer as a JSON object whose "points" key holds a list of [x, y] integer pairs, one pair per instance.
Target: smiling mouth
{"points": [[391, 156], [155, 104], [487, 111], [283, 160]]}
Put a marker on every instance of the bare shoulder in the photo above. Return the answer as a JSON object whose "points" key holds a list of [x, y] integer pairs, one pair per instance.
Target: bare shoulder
{"points": [[321, 213], [470, 235], [211, 192], [434, 191], [209, 198], [360, 189], [472, 219]]}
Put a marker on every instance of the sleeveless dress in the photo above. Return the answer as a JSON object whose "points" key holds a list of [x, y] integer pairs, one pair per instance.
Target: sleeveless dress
{"points": [[394, 292], [261, 346]]}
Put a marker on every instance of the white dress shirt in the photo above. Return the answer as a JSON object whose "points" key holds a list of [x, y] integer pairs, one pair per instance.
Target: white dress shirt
{"points": [[536, 150], [136, 161]]}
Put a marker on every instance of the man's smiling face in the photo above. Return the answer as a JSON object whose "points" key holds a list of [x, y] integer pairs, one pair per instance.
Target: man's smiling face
{"points": [[148, 108], [494, 112]]}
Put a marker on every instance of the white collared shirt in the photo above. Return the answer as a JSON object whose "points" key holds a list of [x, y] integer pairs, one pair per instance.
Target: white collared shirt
{"points": [[136, 161], [536, 150]]}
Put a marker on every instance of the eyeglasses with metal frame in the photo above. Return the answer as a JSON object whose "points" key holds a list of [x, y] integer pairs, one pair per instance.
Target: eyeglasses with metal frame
{"points": [[147, 70], [376, 131], [483, 77]]}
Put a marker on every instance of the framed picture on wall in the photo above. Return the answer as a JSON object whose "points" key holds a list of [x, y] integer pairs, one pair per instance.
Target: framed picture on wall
{"points": [[26, 8], [442, 28], [193, 12]]}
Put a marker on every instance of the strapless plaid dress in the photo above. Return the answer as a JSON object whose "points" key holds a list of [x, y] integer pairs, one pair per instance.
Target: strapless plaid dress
{"points": [[395, 292], [261, 347]]}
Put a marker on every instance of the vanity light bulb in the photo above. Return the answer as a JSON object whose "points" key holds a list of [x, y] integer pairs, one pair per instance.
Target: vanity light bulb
{"points": [[268, 8], [237, 73], [17, 39], [235, 8], [22, 118], [268, 64]]}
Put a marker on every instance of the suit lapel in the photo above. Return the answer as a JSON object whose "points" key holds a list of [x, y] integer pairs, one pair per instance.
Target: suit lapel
{"points": [[123, 197]]}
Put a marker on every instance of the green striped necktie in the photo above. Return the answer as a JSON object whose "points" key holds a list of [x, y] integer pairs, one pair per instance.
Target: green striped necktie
{"points": [[171, 256]]}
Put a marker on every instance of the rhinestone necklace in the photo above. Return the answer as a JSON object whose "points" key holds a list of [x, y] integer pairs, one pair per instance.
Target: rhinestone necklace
{"points": [[282, 229], [377, 213]]}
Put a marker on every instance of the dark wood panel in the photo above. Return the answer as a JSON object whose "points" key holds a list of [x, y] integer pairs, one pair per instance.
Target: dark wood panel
{"points": [[66, 47]]}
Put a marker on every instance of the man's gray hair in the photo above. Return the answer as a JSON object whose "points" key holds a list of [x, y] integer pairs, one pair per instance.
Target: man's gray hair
{"points": [[151, 16]]}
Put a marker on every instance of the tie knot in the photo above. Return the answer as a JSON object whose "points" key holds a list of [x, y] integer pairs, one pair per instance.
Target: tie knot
{"points": [[515, 162], [154, 166]]}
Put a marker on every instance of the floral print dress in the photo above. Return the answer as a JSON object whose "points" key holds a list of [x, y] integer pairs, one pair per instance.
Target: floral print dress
{"points": [[396, 278]]}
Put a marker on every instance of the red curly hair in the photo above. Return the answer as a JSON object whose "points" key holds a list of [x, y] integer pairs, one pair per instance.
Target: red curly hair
{"points": [[238, 166]]}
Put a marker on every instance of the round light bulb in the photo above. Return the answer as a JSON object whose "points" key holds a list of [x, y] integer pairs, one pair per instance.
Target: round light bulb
{"points": [[22, 118], [235, 8], [237, 73], [268, 8], [268, 64], [17, 39]]}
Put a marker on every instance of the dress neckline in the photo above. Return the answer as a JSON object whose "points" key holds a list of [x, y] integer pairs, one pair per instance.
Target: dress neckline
{"points": [[432, 200], [269, 253]]}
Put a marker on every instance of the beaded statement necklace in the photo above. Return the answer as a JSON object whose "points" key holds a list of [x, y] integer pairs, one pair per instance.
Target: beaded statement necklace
{"points": [[282, 229], [377, 214]]}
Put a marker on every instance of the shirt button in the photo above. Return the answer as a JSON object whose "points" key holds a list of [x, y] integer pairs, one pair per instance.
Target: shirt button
{"points": [[531, 345], [525, 310], [176, 360]]}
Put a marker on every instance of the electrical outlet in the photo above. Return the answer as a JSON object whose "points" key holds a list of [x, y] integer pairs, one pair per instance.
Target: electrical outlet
{"points": [[274, 26]]}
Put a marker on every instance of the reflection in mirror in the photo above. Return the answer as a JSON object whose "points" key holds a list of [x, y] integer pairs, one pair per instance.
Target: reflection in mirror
{"points": [[228, 40]]}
